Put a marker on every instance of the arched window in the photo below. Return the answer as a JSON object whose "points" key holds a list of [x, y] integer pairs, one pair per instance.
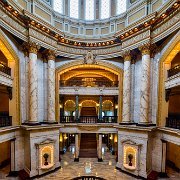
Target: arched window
{"points": [[74, 9], [121, 6], [89, 9], [105, 9], [58, 6]]}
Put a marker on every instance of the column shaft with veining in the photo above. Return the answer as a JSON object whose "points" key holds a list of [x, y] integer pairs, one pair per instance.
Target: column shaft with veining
{"points": [[145, 84], [33, 83], [126, 88], [50, 55]]}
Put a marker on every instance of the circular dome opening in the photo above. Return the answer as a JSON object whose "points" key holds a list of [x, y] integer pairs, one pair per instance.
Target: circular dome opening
{"points": [[90, 10]]}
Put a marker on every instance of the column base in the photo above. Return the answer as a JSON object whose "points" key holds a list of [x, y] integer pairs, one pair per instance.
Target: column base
{"points": [[145, 124], [163, 175], [100, 160], [127, 123], [31, 123], [76, 159], [49, 122]]}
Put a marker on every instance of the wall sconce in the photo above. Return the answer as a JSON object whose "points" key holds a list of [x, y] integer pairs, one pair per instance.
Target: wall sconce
{"points": [[116, 106]]}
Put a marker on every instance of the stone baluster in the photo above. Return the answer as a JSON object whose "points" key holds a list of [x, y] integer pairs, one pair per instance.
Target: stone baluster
{"points": [[145, 85], [76, 158], [126, 88], [50, 56], [33, 83], [100, 148]]}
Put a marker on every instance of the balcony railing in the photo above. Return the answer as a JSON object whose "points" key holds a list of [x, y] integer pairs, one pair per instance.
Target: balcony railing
{"points": [[5, 121], [88, 83], [174, 71], [173, 122], [5, 69], [88, 119]]}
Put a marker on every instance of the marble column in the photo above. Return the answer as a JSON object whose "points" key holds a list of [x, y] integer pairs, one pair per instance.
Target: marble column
{"points": [[126, 89], [145, 85], [100, 108], [33, 83], [132, 88], [163, 161], [77, 108], [76, 158], [99, 148], [13, 158], [50, 55]]}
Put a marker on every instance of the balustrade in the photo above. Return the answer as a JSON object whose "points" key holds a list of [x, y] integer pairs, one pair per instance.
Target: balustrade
{"points": [[173, 122], [88, 119], [5, 69], [109, 119], [67, 119], [5, 121], [174, 71], [88, 83]]}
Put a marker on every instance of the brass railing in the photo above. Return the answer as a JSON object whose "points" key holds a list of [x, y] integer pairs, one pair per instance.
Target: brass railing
{"points": [[174, 71], [5, 69], [88, 83]]}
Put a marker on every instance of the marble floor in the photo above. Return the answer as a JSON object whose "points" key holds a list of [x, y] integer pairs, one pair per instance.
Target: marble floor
{"points": [[71, 169]]}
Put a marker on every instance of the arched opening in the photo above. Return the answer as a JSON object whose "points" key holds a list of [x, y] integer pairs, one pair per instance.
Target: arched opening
{"points": [[167, 63], [9, 84], [88, 83]]}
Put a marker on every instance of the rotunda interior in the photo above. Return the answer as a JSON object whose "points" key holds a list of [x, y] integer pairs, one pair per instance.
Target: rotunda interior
{"points": [[89, 89]]}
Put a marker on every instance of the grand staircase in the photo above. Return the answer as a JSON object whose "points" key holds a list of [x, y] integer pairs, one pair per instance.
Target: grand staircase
{"points": [[88, 146]]}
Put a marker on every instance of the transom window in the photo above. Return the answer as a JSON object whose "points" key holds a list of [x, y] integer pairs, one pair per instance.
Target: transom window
{"points": [[105, 9], [58, 6], [89, 9], [121, 6], [74, 8]]}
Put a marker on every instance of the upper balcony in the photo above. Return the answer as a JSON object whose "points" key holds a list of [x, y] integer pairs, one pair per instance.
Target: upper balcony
{"points": [[89, 87], [5, 69], [173, 79]]}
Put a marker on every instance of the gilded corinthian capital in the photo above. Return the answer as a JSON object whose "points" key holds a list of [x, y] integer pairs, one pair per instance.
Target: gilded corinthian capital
{"points": [[145, 49], [30, 47], [127, 55], [49, 54]]}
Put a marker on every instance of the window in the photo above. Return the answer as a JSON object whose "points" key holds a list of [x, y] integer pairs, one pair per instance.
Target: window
{"points": [[74, 8], [121, 6], [89, 9], [58, 6], [105, 9]]}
